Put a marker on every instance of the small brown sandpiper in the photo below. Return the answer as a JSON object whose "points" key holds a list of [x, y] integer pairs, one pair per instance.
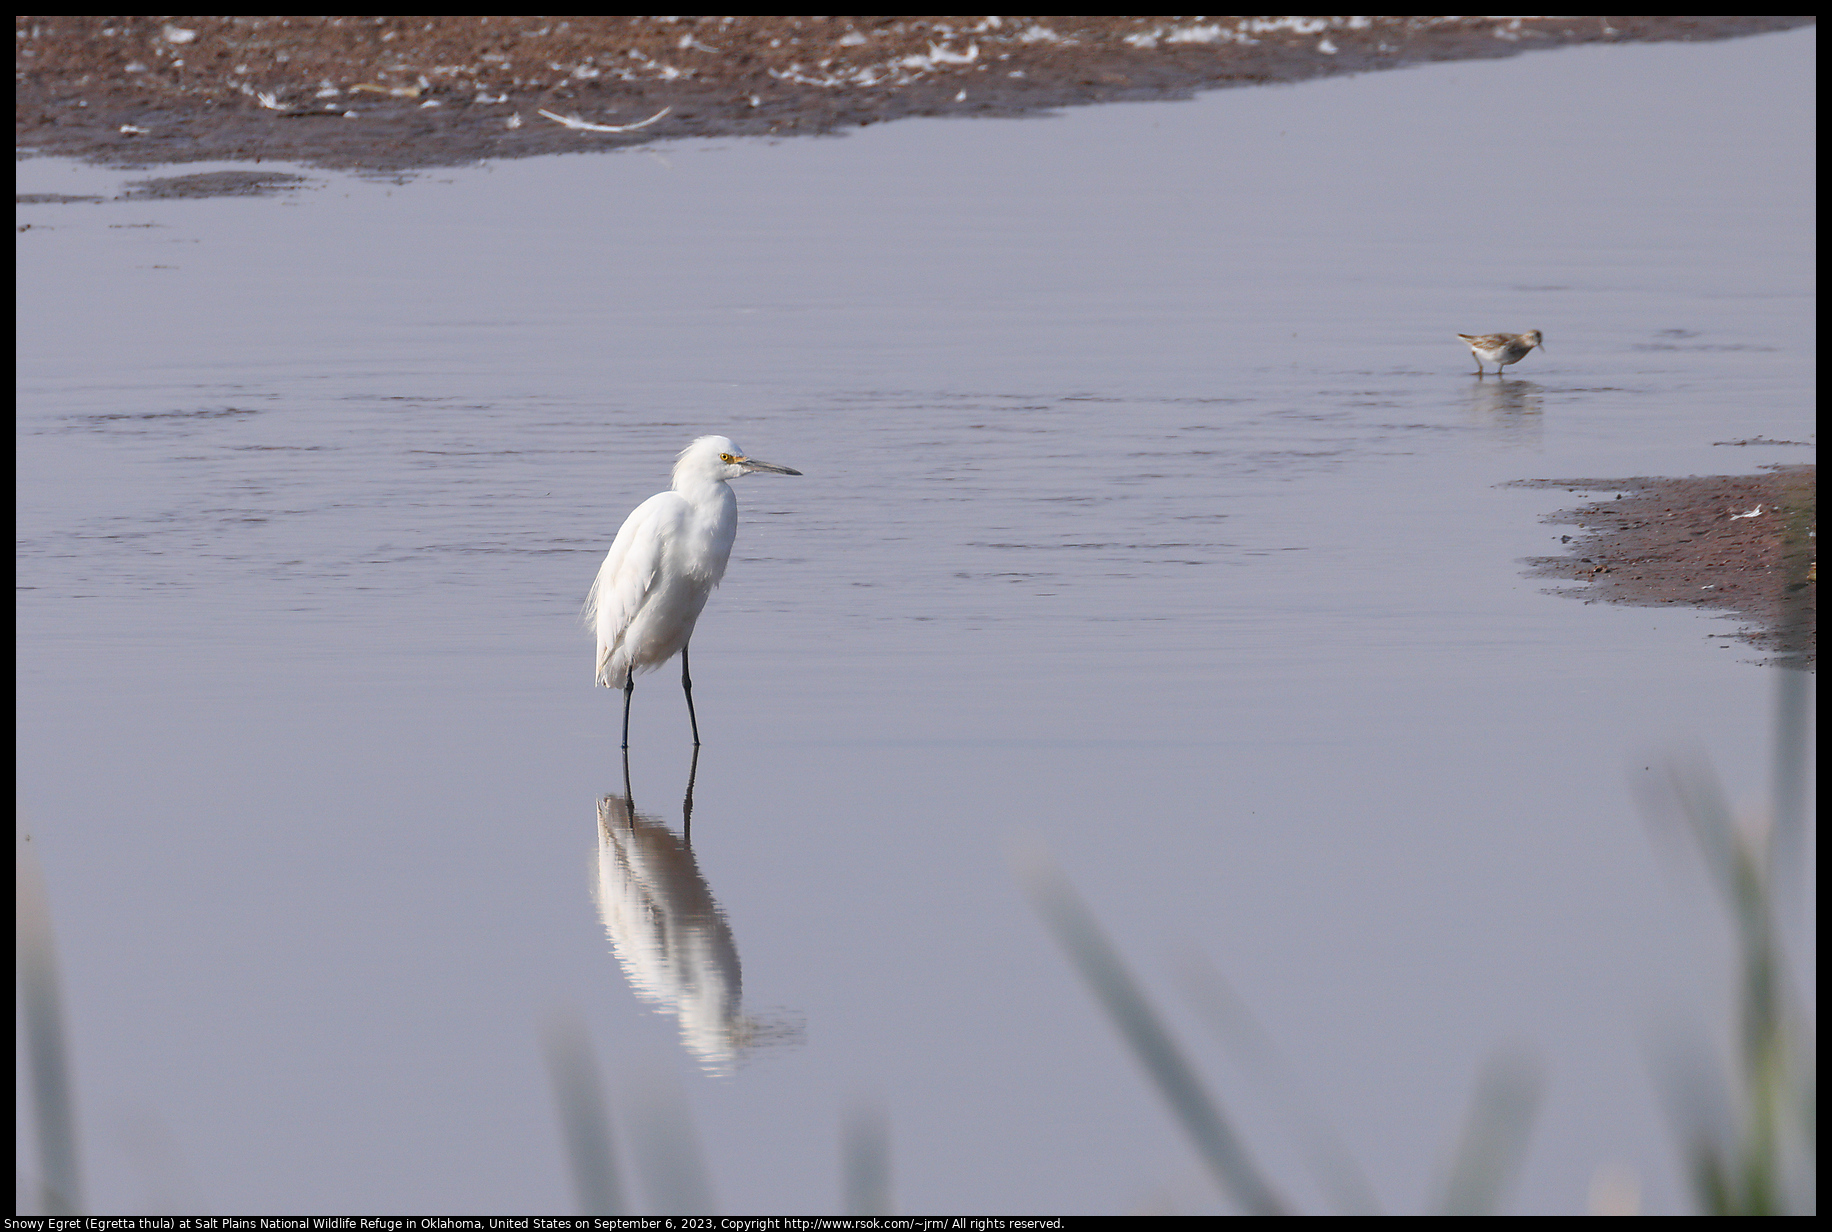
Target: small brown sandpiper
{"points": [[1501, 349]]}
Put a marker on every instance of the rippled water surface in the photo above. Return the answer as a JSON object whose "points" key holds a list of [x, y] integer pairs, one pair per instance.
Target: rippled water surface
{"points": [[1150, 510]]}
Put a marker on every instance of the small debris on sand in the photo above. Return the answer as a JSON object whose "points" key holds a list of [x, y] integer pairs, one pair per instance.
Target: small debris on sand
{"points": [[387, 93]]}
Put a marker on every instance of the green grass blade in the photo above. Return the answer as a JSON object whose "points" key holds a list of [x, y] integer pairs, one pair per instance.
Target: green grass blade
{"points": [[579, 1096], [865, 1163], [1344, 1184], [1494, 1141], [1101, 967], [46, 1044]]}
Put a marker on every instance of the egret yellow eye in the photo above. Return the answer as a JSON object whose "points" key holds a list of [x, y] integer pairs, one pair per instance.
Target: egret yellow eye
{"points": [[726, 457]]}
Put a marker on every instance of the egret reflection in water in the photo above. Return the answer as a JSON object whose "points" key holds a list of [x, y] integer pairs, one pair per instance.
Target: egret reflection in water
{"points": [[669, 934]]}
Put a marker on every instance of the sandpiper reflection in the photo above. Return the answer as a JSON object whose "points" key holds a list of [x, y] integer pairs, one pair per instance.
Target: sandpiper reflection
{"points": [[1510, 408], [668, 932]]}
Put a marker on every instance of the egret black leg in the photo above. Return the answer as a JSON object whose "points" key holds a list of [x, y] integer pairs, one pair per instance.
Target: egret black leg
{"points": [[687, 688], [693, 768], [629, 687]]}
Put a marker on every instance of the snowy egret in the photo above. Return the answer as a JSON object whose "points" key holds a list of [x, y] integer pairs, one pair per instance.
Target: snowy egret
{"points": [[662, 567]]}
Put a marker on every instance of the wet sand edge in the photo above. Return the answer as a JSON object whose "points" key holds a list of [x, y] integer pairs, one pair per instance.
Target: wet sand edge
{"points": [[1741, 544]]}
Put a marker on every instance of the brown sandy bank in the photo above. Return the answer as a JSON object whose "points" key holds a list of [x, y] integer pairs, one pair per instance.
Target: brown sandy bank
{"points": [[1744, 544], [387, 93]]}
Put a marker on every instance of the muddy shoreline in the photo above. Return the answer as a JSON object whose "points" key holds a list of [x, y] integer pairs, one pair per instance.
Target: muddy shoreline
{"points": [[1742, 544], [391, 94], [387, 94]]}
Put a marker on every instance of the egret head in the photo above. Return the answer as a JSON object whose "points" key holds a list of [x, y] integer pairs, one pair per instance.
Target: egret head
{"points": [[717, 458]]}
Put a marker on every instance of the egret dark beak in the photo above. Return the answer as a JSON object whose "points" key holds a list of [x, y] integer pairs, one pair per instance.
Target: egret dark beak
{"points": [[751, 465]]}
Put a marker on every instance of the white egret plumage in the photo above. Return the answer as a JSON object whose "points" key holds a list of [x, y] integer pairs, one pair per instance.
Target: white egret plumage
{"points": [[662, 567]]}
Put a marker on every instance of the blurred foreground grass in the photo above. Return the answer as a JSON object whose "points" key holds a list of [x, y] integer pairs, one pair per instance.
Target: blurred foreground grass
{"points": [[1747, 1130], [1747, 1127]]}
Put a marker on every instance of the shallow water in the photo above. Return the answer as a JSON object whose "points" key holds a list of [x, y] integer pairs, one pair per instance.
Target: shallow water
{"points": [[1150, 509]]}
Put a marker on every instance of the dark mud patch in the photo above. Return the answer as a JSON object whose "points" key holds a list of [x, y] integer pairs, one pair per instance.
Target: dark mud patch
{"points": [[1743, 544], [173, 187], [213, 184], [390, 93]]}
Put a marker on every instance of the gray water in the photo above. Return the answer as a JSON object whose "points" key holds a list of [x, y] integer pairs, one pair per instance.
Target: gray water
{"points": [[1150, 511]]}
